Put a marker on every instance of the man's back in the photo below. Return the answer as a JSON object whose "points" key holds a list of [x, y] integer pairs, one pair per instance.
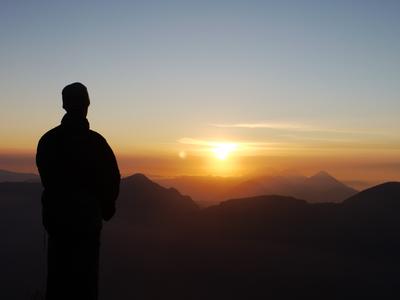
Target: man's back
{"points": [[80, 177], [81, 180]]}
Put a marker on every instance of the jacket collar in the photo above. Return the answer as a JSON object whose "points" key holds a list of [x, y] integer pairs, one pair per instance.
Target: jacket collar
{"points": [[75, 123]]}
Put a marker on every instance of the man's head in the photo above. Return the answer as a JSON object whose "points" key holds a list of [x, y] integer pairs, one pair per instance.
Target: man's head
{"points": [[75, 99]]}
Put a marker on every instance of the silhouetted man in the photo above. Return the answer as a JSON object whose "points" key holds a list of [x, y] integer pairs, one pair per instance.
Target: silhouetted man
{"points": [[81, 180]]}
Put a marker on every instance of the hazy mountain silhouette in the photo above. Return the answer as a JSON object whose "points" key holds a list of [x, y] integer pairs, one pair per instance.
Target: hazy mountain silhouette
{"points": [[142, 200], [261, 247], [370, 216], [321, 187], [205, 190], [9, 176]]}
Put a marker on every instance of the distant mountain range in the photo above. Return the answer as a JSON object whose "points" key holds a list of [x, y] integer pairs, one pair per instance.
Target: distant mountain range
{"points": [[210, 190], [373, 212], [142, 200], [161, 245], [321, 187]]}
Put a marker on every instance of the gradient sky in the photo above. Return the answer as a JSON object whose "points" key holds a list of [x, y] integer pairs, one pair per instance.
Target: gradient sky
{"points": [[301, 85]]}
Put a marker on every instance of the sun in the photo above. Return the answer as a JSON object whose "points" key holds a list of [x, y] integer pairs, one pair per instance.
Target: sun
{"points": [[223, 150]]}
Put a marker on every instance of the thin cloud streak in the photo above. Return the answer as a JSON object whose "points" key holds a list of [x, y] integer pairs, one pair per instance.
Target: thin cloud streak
{"points": [[211, 143], [292, 127], [296, 146]]}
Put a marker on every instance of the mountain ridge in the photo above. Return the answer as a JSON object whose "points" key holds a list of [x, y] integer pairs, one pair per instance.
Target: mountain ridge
{"points": [[320, 187]]}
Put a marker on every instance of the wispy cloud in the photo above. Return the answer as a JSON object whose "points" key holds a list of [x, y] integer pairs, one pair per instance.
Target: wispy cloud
{"points": [[290, 145], [298, 127], [198, 142], [210, 143], [288, 126]]}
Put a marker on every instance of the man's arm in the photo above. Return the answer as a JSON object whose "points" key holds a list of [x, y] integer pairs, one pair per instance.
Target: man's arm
{"points": [[112, 180], [43, 162]]}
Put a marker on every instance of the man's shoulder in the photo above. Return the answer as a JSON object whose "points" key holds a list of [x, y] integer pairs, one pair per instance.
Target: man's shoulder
{"points": [[50, 135], [97, 136]]}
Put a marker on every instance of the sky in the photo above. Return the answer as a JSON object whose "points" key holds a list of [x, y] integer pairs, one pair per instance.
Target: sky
{"points": [[229, 88]]}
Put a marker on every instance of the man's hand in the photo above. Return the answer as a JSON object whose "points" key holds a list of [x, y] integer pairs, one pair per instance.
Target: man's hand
{"points": [[108, 212]]}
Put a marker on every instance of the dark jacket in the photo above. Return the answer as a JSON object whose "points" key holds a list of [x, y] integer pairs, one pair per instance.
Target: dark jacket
{"points": [[80, 177]]}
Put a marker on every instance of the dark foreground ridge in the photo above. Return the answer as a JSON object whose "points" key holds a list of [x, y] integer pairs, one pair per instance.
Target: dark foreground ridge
{"points": [[8, 176], [162, 246]]}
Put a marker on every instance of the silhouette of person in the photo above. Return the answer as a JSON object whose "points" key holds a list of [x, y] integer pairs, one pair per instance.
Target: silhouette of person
{"points": [[81, 179]]}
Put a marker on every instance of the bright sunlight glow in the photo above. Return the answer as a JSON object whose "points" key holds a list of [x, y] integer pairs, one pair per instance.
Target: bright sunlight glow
{"points": [[222, 151]]}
